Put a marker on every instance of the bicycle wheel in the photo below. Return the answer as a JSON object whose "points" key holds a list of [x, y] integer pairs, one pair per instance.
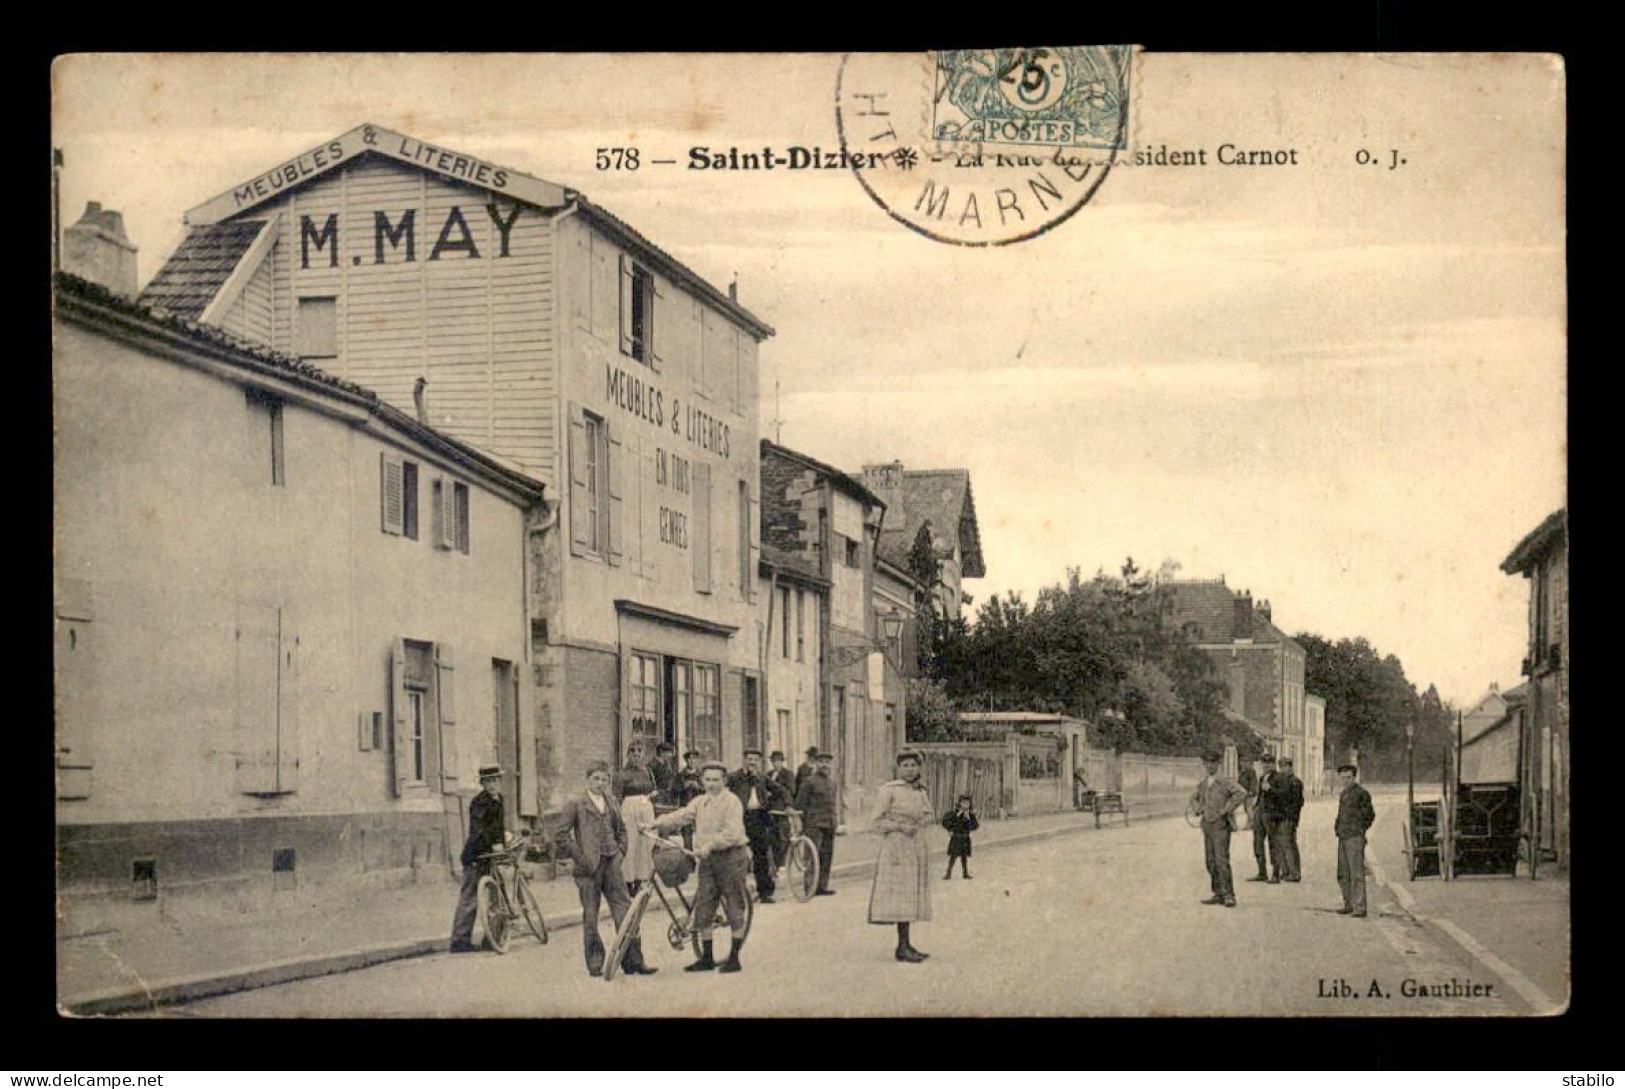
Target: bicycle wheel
{"points": [[492, 913], [721, 922], [529, 908], [802, 869], [626, 933]]}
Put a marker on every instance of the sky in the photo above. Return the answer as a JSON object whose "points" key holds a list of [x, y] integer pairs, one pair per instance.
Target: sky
{"points": [[1338, 385]]}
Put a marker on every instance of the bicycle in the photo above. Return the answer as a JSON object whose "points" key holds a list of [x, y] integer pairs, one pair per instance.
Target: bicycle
{"points": [[801, 858], [503, 897], [672, 864]]}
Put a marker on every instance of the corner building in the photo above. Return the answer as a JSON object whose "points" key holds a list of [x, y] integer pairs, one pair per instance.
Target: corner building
{"points": [[517, 316]]}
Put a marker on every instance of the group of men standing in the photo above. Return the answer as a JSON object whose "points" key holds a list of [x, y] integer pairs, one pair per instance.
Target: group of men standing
{"points": [[1274, 803], [1274, 800]]}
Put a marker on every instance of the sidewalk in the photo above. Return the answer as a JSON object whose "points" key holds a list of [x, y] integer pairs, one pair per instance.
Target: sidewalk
{"points": [[137, 968]]}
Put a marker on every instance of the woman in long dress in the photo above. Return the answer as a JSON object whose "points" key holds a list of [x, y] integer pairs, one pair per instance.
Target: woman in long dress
{"points": [[634, 784], [902, 888]]}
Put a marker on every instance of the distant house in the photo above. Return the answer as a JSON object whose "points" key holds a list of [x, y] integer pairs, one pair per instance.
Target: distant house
{"points": [[1491, 736], [940, 502], [1542, 557], [1262, 664]]}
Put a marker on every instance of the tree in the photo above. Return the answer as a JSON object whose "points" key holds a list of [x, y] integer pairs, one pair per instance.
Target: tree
{"points": [[931, 717]]}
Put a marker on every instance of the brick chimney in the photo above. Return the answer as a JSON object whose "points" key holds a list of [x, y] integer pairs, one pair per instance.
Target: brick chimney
{"points": [[1244, 615], [96, 249], [886, 481], [1264, 609]]}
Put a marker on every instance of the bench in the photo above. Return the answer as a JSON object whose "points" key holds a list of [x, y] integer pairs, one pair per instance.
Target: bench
{"points": [[1109, 801]]}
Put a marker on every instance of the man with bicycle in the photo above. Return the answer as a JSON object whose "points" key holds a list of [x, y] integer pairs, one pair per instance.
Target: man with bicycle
{"points": [[759, 796], [485, 833], [816, 800], [593, 834], [718, 820]]}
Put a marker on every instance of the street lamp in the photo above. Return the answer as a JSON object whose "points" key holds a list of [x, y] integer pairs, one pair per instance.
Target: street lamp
{"points": [[1410, 766]]}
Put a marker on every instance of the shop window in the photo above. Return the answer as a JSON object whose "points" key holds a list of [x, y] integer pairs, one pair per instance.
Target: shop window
{"points": [[708, 711], [316, 328], [643, 701]]}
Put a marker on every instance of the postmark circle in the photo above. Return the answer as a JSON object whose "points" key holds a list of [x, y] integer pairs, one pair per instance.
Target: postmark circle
{"points": [[983, 147]]}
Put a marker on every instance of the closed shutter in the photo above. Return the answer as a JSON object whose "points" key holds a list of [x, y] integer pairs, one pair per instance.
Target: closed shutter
{"points": [[446, 699], [753, 542], [658, 318], [287, 703], [399, 742], [393, 493], [581, 287], [445, 515], [732, 713], [580, 512], [628, 286], [614, 512], [257, 691], [77, 688], [700, 543]]}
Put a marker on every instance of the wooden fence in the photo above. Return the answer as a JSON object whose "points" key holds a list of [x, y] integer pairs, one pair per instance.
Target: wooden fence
{"points": [[948, 774]]}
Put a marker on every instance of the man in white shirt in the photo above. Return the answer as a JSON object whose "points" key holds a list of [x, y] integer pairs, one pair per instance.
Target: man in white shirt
{"points": [[718, 820], [759, 796]]}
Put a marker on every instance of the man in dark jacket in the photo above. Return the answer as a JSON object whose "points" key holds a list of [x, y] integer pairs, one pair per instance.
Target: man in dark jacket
{"points": [[1284, 824], [760, 796], [485, 833], [781, 827], [808, 768], [1354, 816], [593, 835], [816, 800], [1263, 816], [668, 787]]}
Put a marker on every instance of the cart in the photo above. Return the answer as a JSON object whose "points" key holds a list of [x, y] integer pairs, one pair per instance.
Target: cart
{"points": [[1473, 828]]}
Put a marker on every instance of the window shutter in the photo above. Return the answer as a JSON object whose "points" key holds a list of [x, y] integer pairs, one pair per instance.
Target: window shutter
{"points": [[446, 693], [445, 515], [700, 542], [628, 285], [257, 692], [657, 318], [287, 738], [581, 291], [614, 510], [393, 493], [399, 755], [77, 688], [580, 516], [754, 530]]}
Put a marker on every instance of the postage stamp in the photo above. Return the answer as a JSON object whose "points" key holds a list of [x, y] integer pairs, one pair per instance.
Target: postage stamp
{"points": [[1071, 97], [992, 146]]}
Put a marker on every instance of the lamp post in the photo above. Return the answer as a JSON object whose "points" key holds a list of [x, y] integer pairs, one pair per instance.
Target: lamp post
{"points": [[1410, 767]]}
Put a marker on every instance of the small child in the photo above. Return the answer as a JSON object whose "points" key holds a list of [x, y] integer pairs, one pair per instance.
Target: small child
{"points": [[960, 822]]}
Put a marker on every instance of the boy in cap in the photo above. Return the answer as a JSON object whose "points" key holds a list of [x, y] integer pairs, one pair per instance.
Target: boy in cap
{"points": [[593, 834], [1216, 800], [717, 819], [485, 834], [1354, 816]]}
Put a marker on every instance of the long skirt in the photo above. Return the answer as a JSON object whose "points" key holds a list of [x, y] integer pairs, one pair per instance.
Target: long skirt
{"points": [[902, 888], [637, 809]]}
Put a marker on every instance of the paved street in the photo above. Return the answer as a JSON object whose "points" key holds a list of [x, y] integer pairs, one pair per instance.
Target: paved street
{"points": [[1106, 923]]}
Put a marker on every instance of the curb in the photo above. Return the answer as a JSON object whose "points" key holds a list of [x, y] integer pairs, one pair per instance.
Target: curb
{"points": [[191, 988]]}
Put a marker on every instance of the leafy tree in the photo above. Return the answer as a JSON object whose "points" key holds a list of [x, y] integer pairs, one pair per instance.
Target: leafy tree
{"points": [[931, 716]]}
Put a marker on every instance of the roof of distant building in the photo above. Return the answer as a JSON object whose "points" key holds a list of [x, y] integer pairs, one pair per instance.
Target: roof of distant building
{"points": [[842, 481], [943, 498], [1206, 609]]}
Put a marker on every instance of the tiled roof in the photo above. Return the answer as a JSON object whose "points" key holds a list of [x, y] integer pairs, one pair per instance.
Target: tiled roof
{"points": [[199, 268], [845, 482], [943, 498], [1206, 606]]}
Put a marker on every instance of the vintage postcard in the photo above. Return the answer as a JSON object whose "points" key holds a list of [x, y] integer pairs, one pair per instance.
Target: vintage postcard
{"points": [[1063, 530]]}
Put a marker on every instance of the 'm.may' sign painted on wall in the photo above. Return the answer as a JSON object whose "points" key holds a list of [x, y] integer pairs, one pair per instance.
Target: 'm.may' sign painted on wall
{"points": [[365, 139], [399, 234]]}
